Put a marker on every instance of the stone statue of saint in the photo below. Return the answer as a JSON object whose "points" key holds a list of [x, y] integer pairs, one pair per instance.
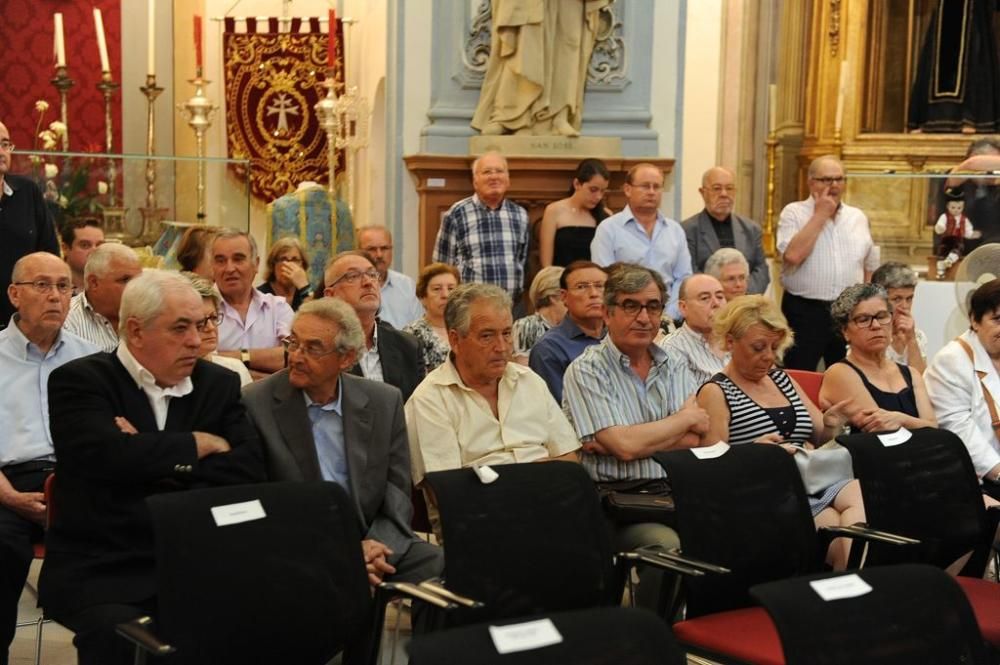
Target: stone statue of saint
{"points": [[537, 69]]}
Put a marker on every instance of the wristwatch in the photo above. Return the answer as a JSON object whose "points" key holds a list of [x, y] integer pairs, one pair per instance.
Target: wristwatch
{"points": [[245, 356]]}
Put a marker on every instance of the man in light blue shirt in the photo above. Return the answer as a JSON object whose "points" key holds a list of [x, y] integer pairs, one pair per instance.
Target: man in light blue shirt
{"points": [[31, 346], [400, 306], [640, 234]]}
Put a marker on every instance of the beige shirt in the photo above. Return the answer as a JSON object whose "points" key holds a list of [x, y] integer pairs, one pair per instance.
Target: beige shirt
{"points": [[452, 426]]}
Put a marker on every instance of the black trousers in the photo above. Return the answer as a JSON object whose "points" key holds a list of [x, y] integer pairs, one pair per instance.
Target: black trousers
{"points": [[815, 337], [17, 534], [95, 638]]}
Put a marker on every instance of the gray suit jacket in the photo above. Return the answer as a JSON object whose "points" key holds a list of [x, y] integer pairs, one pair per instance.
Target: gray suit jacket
{"points": [[378, 453], [702, 243]]}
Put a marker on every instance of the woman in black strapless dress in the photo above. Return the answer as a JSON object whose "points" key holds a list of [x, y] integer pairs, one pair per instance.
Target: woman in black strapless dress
{"points": [[568, 225]]}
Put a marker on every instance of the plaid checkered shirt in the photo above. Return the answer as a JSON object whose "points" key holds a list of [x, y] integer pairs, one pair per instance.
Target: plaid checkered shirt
{"points": [[486, 245]]}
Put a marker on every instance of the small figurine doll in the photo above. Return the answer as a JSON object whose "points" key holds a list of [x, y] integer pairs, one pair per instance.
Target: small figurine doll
{"points": [[954, 228]]}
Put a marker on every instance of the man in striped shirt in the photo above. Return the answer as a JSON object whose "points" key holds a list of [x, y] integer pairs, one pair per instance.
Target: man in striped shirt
{"points": [[93, 313], [626, 401], [701, 296]]}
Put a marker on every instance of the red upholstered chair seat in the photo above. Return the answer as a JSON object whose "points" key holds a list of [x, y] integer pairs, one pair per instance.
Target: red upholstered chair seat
{"points": [[984, 596], [747, 635]]}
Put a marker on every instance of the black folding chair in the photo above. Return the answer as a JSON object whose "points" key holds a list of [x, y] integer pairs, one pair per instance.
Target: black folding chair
{"points": [[746, 510], [599, 636], [284, 582], [911, 614]]}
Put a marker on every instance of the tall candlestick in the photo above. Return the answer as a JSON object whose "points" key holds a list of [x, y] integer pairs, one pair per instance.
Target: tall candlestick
{"points": [[331, 45], [60, 45], [152, 213], [102, 46], [772, 108], [151, 38], [197, 43]]}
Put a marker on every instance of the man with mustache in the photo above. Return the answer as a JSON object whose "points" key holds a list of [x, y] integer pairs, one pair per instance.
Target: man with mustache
{"points": [[627, 398], [25, 223], [150, 417], [31, 347], [718, 226]]}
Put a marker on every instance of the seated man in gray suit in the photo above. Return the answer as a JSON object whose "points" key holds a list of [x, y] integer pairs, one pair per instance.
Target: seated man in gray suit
{"points": [[717, 226], [319, 422]]}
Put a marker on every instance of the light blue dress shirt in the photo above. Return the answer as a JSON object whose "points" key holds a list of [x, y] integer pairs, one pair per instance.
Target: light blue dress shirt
{"points": [[24, 414], [620, 237], [400, 306], [328, 437]]}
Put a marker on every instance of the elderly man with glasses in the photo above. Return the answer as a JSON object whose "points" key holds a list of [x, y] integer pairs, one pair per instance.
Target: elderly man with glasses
{"points": [[388, 355], [627, 398], [640, 234], [826, 246], [25, 223]]}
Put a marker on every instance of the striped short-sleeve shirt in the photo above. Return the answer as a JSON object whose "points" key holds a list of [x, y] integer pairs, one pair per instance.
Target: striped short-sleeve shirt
{"points": [[748, 421]]}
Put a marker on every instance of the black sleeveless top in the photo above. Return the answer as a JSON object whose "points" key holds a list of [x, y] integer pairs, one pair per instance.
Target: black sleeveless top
{"points": [[572, 243], [905, 401]]}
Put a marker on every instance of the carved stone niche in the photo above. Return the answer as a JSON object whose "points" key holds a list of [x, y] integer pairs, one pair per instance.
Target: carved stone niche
{"points": [[535, 182]]}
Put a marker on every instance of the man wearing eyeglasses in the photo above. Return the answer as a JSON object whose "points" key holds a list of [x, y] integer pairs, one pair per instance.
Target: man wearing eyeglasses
{"points": [[25, 223], [640, 234], [627, 399], [93, 313], [400, 305], [582, 286], [388, 355], [31, 347], [826, 246], [717, 226], [150, 417], [319, 422]]}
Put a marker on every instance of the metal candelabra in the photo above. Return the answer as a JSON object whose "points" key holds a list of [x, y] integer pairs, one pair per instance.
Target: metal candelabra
{"points": [[114, 215], [151, 214], [63, 83], [198, 112]]}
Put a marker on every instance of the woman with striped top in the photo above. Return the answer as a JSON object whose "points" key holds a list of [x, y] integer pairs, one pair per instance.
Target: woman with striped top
{"points": [[752, 401]]}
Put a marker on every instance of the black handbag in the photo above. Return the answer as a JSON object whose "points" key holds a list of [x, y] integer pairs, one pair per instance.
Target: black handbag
{"points": [[638, 501]]}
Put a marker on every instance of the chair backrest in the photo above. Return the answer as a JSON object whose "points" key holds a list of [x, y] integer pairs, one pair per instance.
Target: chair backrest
{"points": [[925, 488], [532, 541], [912, 615], [601, 636], [746, 510], [289, 587], [809, 381]]}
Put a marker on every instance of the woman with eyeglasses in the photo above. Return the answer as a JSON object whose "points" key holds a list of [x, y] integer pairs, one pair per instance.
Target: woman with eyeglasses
{"points": [[208, 327], [435, 284], [288, 272], [883, 395]]}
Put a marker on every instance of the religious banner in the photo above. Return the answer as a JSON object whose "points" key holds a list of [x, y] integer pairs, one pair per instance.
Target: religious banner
{"points": [[273, 82]]}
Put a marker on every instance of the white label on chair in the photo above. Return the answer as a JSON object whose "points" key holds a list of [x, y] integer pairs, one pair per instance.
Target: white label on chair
{"points": [[234, 513], [486, 474], [836, 588], [902, 435], [525, 636], [712, 451]]}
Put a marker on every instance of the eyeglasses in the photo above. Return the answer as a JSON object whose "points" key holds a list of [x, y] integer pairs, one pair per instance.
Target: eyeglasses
{"points": [[6, 146], [352, 276], [379, 249], [718, 189], [493, 171], [310, 349], [215, 321], [649, 186], [41, 286], [865, 320], [839, 180], [632, 307], [584, 287]]}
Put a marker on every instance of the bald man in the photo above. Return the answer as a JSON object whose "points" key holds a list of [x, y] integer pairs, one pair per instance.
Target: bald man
{"points": [[718, 226], [25, 223]]}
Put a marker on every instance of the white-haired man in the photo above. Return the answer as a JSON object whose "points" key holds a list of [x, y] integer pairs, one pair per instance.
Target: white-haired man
{"points": [[31, 347], [151, 417], [730, 267], [93, 313], [319, 422]]}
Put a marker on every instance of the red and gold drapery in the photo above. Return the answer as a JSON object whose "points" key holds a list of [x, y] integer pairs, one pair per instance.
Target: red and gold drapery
{"points": [[273, 82]]}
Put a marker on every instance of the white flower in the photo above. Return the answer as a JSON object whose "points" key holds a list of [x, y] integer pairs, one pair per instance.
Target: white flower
{"points": [[41, 106], [63, 202], [102, 187], [51, 171], [48, 140], [58, 128]]}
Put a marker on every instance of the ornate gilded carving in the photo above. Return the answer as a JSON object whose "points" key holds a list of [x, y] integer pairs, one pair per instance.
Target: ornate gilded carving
{"points": [[834, 27]]}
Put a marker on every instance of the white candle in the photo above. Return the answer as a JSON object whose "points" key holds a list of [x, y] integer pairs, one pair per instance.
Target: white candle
{"points": [[838, 123], [150, 39], [772, 108], [60, 44], [102, 46]]}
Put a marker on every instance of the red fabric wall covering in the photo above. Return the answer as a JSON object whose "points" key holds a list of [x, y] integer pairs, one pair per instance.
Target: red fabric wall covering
{"points": [[28, 64]]}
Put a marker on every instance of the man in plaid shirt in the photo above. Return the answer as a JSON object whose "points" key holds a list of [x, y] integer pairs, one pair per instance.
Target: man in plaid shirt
{"points": [[485, 235]]}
